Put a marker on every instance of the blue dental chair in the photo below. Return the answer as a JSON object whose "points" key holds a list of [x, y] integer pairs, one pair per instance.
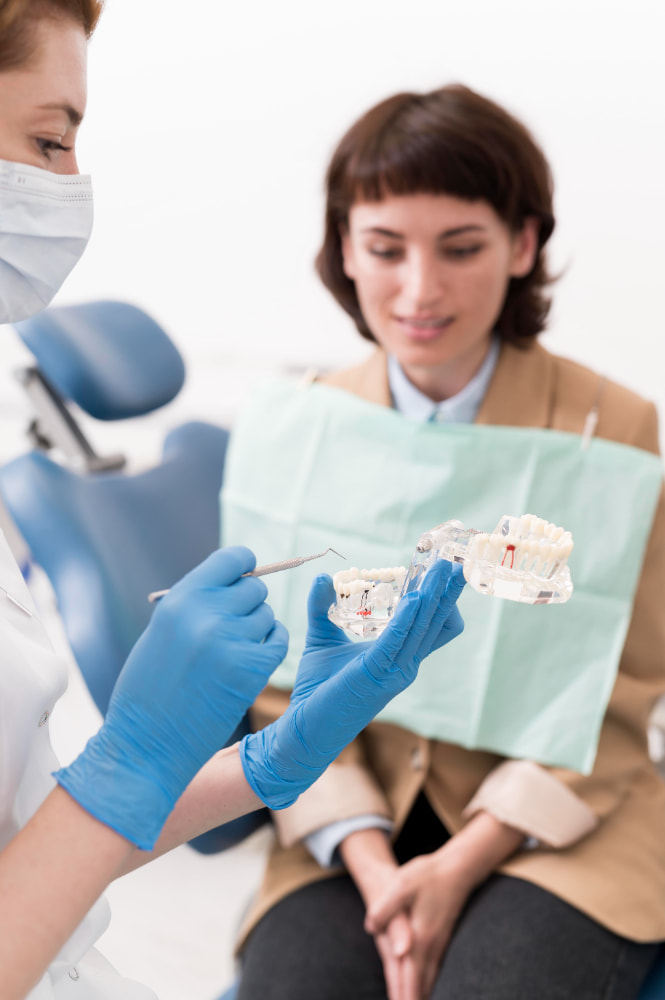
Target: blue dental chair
{"points": [[104, 537]]}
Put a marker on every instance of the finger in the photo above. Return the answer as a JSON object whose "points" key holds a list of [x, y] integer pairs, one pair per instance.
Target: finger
{"points": [[401, 642], [452, 627], [255, 626], [447, 601], [391, 967], [388, 649], [399, 935], [399, 977], [428, 976], [321, 631], [446, 622], [240, 598], [386, 907], [222, 568], [411, 979], [432, 935], [276, 644], [432, 594], [439, 592], [431, 963]]}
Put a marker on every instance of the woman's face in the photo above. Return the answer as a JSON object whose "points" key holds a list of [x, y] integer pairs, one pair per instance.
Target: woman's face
{"points": [[431, 274], [42, 101]]}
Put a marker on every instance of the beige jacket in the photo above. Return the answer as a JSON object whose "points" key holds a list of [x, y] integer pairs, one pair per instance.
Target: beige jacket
{"points": [[602, 836]]}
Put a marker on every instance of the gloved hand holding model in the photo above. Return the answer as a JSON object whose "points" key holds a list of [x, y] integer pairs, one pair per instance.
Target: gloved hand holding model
{"points": [[341, 685], [208, 651]]}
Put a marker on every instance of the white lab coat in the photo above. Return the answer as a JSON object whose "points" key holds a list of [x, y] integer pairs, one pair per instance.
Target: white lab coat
{"points": [[32, 678]]}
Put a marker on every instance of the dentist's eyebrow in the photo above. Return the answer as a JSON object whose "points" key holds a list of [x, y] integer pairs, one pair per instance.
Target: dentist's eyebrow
{"points": [[75, 117]]}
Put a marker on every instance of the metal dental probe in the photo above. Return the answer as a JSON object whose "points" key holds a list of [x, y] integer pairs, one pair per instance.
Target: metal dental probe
{"points": [[275, 567]]}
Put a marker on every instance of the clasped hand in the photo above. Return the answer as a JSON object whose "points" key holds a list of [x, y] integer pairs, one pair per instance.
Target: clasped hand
{"points": [[412, 918]]}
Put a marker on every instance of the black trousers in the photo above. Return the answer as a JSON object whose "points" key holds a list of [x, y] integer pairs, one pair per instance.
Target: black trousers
{"points": [[513, 941]]}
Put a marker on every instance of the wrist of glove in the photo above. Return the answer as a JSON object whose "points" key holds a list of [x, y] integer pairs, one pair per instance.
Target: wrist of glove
{"points": [[208, 651], [116, 784], [341, 685]]}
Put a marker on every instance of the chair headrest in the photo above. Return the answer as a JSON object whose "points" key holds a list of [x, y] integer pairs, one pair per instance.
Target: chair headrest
{"points": [[110, 358]]}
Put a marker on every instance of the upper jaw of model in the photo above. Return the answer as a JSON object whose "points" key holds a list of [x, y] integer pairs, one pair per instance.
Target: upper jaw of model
{"points": [[524, 559], [526, 543]]}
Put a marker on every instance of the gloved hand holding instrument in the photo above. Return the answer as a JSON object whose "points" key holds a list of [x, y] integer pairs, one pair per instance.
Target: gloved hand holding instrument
{"points": [[209, 650]]}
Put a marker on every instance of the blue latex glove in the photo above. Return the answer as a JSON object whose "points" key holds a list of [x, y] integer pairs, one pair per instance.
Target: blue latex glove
{"points": [[341, 685], [210, 647]]}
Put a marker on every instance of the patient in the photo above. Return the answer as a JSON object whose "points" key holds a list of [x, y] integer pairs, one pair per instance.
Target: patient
{"points": [[416, 868]]}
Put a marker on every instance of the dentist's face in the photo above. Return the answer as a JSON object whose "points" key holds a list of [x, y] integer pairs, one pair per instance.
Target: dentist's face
{"points": [[42, 101], [431, 273]]}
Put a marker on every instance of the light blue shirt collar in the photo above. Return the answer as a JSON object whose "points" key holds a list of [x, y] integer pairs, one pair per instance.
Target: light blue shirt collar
{"points": [[461, 408]]}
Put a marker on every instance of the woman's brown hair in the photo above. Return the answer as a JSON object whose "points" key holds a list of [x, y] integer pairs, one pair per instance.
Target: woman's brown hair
{"points": [[451, 141], [19, 17]]}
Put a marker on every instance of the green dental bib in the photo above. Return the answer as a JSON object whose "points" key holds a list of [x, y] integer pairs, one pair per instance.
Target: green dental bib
{"points": [[312, 467]]}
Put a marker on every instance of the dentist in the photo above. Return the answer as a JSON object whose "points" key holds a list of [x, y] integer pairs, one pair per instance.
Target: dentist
{"points": [[154, 775]]}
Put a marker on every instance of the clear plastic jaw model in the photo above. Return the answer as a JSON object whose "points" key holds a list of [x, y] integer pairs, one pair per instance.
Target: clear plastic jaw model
{"points": [[366, 599], [524, 559]]}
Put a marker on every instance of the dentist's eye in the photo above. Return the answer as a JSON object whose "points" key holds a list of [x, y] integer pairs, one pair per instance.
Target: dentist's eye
{"points": [[49, 146]]}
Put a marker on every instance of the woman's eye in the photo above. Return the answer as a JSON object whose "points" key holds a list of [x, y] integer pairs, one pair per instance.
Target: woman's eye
{"points": [[48, 146], [461, 253], [388, 253]]}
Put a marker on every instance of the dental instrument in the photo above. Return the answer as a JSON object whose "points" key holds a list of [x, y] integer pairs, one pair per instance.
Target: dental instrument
{"points": [[275, 567], [524, 559]]}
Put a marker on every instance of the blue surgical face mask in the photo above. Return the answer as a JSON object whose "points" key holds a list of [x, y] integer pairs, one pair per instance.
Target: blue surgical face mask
{"points": [[45, 225]]}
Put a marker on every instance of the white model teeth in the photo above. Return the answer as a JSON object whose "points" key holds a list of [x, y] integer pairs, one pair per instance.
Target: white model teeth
{"points": [[478, 545], [537, 529], [348, 582], [531, 545]]}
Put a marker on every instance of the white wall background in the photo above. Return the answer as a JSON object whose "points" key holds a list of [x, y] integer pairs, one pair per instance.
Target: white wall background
{"points": [[209, 128]]}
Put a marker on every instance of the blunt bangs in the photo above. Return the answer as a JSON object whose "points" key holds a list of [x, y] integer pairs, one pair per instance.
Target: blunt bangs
{"points": [[455, 142], [413, 144]]}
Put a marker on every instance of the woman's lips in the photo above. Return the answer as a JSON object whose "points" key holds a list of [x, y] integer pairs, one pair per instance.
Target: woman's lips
{"points": [[423, 329]]}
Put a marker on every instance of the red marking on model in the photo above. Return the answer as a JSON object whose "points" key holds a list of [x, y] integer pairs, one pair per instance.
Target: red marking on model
{"points": [[364, 611], [511, 549]]}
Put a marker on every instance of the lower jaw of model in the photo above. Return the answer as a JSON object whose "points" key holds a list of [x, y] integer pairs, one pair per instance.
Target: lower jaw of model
{"points": [[366, 599], [524, 559]]}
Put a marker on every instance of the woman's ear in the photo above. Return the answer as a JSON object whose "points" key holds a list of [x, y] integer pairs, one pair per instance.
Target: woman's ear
{"points": [[525, 248], [348, 258]]}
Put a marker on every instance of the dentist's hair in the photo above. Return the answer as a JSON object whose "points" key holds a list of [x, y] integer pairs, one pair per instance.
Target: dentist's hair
{"points": [[450, 141], [18, 19]]}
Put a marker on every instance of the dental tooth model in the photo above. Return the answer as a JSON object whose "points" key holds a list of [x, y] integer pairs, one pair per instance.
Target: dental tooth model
{"points": [[524, 559], [366, 599]]}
